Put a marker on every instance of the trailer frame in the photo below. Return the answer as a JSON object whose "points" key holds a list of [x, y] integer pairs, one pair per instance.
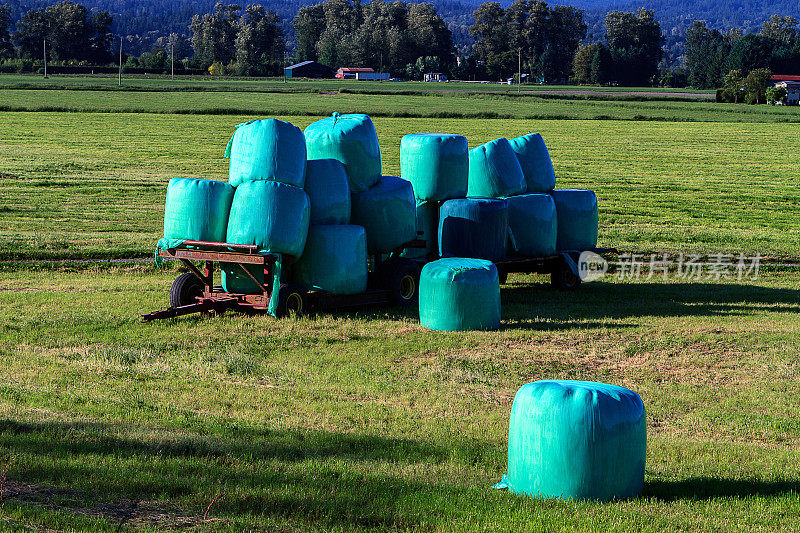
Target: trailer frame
{"points": [[200, 295]]}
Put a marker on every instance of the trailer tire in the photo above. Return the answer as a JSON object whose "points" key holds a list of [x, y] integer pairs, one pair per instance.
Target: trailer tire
{"points": [[185, 290], [564, 279], [292, 301], [400, 278]]}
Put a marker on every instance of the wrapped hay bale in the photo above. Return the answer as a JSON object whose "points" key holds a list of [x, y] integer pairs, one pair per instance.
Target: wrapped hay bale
{"points": [[334, 260], [195, 210], [427, 230], [534, 158], [328, 192], [436, 164], [494, 171], [532, 224], [577, 219], [387, 212], [270, 149], [459, 294], [271, 215], [473, 227], [576, 439], [351, 139]]}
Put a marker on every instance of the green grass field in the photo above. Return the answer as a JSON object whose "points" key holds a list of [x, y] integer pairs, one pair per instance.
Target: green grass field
{"points": [[208, 83], [363, 420]]}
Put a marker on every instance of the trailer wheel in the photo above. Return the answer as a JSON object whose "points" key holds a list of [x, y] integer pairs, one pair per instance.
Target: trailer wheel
{"points": [[564, 279], [185, 290], [292, 301], [400, 277]]}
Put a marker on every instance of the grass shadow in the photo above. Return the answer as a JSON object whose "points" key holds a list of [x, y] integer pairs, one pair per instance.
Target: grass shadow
{"points": [[276, 474], [596, 302], [707, 488]]}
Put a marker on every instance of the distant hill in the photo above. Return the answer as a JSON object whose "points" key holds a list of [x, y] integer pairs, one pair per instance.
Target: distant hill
{"points": [[135, 17]]}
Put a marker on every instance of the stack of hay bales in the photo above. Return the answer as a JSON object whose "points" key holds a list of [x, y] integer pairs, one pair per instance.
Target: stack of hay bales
{"points": [[565, 219], [379, 209], [494, 201], [263, 203], [437, 166], [296, 194], [335, 258], [270, 209]]}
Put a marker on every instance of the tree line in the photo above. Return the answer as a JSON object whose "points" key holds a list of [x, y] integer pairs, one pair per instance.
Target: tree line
{"points": [[711, 55], [546, 43]]}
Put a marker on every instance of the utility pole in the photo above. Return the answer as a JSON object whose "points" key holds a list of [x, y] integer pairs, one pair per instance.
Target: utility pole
{"points": [[172, 61], [120, 62], [284, 66], [519, 70], [380, 75], [44, 51]]}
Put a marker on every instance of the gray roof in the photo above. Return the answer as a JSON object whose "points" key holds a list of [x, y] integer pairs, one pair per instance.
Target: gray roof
{"points": [[300, 64]]}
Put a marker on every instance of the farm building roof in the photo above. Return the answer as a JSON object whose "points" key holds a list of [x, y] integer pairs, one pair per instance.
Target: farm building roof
{"points": [[301, 64], [785, 77], [356, 69]]}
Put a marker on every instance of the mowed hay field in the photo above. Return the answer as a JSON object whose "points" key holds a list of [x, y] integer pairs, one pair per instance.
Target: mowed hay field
{"points": [[363, 420], [92, 184]]}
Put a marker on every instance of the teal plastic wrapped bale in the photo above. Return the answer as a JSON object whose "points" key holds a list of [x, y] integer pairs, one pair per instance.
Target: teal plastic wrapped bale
{"points": [[328, 192], [236, 281], [427, 230], [387, 212], [473, 227], [459, 294], [271, 215], [532, 225], [351, 139], [494, 171], [195, 210], [335, 260], [576, 439], [270, 149], [534, 159], [577, 219], [436, 164]]}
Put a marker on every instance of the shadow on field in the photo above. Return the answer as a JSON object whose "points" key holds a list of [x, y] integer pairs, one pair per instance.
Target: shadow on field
{"points": [[705, 488], [317, 477], [615, 301]]}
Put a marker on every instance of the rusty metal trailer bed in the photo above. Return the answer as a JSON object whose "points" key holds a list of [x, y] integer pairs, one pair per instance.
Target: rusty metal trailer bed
{"points": [[394, 280]]}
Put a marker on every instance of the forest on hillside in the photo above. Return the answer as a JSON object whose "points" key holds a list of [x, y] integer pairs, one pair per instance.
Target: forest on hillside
{"points": [[162, 17]]}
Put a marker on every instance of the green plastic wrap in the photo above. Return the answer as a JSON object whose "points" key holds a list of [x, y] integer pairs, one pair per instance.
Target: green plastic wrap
{"points": [[270, 149], [351, 139], [534, 158], [436, 164], [335, 260], [473, 227], [494, 171], [459, 294], [387, 212], [427, 230], [271, 215], [577, 219], [196, 210], [576, 439], [235, 280], [532, 225], [328, 192]]}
